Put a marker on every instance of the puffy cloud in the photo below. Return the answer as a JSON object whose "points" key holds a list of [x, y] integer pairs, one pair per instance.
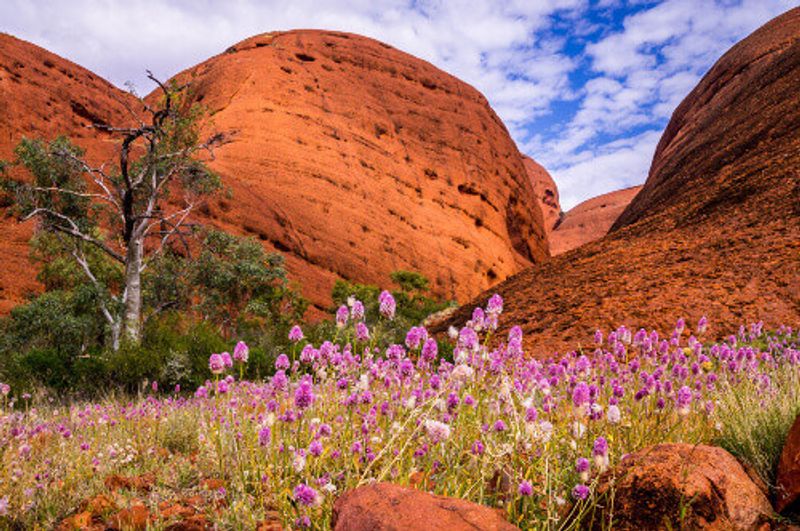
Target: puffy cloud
{"points": [[584, 87], [640, 73]]}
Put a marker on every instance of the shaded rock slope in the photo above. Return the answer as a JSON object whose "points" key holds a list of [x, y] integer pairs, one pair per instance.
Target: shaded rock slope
{"points": [[44, 96], [716, 228], [355, 159], [589, 221]]}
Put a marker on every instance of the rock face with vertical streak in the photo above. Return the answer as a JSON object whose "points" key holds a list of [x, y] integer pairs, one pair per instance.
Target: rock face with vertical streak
{"points": [[714, 231], [546, 194], [355, 159]]}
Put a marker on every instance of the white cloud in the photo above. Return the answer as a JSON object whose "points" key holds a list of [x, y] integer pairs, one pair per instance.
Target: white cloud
{"points": [[615, 166], [513, 51], [494, 46], [641, 74]]}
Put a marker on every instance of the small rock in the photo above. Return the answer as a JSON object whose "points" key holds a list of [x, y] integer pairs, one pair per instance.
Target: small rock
{"points": [[271, 522], [99, 505], [136, 518], [80, 521], [143, 482], [212, 484], [388, 507]]}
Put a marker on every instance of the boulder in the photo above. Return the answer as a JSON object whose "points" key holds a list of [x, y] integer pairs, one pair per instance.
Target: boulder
{"points": [[685, 487], [787, 485], [389, 507]]}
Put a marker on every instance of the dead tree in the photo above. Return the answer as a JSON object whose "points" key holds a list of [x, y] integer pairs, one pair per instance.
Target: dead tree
{"points": [[121, 209]]}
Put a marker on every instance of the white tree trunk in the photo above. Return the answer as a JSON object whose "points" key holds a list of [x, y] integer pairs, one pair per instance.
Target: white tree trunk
{"points": [[132, 312]]}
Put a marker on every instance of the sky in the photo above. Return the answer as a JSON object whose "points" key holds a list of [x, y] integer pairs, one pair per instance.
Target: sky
{"points": [[585, 87]]}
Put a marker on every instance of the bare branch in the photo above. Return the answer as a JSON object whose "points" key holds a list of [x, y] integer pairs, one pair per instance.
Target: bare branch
{"points": [[81, 259], [73, 230], [72, 192], [181, 216]]}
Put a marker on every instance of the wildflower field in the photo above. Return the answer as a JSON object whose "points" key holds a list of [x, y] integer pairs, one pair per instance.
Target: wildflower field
{"points": [[483, 422]]}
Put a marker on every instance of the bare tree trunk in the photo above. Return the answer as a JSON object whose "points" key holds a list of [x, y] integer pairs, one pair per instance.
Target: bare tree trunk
{"points": [[132, 316], [115, 333]]}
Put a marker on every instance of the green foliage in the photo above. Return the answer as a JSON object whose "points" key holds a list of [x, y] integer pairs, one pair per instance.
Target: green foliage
{"points": [[414, 304], [235, 278], [57, 189], [233, 290]]}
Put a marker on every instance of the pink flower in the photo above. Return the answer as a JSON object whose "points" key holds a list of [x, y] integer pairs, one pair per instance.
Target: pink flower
{"points": [[495, 305], [388, 306], [580, 492], [282, 362], [264, 436], [342, 314], [305, 495], [362, 332], [241, 352], [216, 364], [295, 334], [357, 311]]}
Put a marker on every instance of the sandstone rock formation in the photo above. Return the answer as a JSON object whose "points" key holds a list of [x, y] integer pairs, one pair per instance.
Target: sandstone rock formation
{"points": [[351, 158], [45, 96], [355, 159], [714, 231], [651, 489], [546, 191], [787, 485], [388, 507], [589, 221]]}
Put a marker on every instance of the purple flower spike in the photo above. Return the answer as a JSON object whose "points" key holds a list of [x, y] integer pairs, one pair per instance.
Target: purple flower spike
{"points": [[388, 306], [216, 364], [295, 334], [241, 352], [305, 495], [580, 492]]}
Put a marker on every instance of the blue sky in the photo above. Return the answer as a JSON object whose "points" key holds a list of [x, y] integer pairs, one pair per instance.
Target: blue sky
{"points": [[585, 86]]}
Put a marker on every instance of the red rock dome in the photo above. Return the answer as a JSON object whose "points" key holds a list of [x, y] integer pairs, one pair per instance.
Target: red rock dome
{"points": [[350, 157], [355, 159], [590, 220], [44, 96], [546, 193]]}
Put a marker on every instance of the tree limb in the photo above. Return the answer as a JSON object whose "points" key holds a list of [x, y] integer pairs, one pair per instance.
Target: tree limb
{"points": [[73, 230]]}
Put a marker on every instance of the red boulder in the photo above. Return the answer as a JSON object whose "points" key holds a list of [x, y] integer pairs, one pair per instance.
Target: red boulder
{"points": [[388, 507]]}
